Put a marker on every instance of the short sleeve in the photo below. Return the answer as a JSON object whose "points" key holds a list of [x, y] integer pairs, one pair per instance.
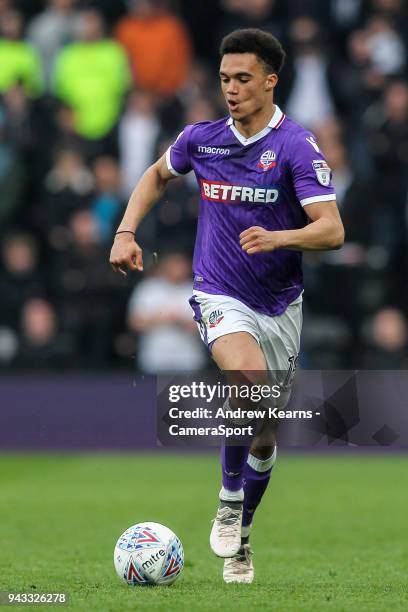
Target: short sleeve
{"points": [[310, 173], [178, 154]]}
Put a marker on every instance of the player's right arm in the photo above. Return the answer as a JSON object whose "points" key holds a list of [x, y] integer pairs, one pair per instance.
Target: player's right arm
{"points": [[126, 254]]}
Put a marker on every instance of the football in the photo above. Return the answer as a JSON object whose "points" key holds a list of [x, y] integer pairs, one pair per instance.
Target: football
{"points": [[148, 554]]}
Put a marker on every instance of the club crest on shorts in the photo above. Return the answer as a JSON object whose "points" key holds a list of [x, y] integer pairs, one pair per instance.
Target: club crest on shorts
{"points": [[323, 172], [268, 160], [215, 317]]}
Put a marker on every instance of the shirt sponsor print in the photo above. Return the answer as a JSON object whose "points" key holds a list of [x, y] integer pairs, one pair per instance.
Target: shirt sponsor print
{"points": [[227, 192]]}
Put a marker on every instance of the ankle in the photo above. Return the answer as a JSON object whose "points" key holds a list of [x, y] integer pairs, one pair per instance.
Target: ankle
{"points": [[226, 495]]}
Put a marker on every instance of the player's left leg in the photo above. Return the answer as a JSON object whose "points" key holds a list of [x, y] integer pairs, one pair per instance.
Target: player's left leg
{"points": [[257, 473], [280, 344], [239, 356]]}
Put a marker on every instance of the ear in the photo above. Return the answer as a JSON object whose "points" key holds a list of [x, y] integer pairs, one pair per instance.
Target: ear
{"points": [[271, 81]]}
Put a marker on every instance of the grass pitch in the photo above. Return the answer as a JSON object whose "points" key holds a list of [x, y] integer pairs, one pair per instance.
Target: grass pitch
{"points": [[331, 533]]}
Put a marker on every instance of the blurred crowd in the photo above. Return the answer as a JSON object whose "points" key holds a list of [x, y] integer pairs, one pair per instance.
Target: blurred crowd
{"points": [[92, 92]]}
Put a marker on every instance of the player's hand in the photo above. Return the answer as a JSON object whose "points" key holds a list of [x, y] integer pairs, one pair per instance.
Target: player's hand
{"points": [[126, 254], [259, 240]]}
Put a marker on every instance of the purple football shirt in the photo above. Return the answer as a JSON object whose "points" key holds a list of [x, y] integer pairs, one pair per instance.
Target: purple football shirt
{"points": [[264, 180]]}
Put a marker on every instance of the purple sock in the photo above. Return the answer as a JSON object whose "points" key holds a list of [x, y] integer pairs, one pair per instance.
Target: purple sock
{"points": [[233, 459], [255, 483]]}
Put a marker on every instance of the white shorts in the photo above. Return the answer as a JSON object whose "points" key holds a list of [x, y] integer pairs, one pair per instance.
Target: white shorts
{"points": [[278, 337]]}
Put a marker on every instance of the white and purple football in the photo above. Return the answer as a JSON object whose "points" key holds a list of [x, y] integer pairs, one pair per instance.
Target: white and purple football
{"points": [[148, 554]]}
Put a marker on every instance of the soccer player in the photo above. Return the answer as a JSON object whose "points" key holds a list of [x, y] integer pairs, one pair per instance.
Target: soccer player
{"points": [[266, 195]]}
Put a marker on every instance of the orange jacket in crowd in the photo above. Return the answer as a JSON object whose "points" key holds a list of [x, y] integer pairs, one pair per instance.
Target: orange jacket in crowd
{"points": [[159, 49]]}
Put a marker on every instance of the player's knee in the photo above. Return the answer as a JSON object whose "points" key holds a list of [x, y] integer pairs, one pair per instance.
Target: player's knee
{"points": [[261, 452], [245, 387], [246, 377]]}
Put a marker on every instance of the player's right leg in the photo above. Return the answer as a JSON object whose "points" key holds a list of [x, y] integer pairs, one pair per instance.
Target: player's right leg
{"points": [[229, 329]]}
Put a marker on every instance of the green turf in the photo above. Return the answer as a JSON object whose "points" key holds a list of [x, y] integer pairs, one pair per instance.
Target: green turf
{"points": [[330, 535]]}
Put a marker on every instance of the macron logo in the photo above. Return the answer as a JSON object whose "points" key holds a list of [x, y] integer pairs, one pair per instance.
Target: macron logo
{"points": [[213, 150]]}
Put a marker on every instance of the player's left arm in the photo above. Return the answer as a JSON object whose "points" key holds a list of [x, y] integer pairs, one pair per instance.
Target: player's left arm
{"points": [[311, 177], [325, 232]]}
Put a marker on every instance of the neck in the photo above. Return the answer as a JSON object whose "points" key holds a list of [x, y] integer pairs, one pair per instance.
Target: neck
{"points": [[255, 123]]}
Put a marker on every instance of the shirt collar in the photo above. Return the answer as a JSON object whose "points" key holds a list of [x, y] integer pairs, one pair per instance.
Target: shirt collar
{"points": [[274, 123]]}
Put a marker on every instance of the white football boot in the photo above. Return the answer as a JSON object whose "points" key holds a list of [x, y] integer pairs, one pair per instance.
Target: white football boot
{"points": [[240, 567], [225, 537]]}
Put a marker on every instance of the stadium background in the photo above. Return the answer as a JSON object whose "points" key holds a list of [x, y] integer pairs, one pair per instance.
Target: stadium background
{"points": [[91, 94]]}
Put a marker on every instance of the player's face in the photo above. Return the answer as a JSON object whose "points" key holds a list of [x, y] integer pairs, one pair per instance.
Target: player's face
{"points": [[246, 86]]}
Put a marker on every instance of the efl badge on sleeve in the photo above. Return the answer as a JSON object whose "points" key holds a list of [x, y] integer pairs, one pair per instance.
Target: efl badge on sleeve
{"points": [[323, 172]]}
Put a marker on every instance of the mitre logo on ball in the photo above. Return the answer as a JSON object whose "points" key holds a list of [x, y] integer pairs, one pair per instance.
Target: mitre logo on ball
{"points": [[148, 554]]}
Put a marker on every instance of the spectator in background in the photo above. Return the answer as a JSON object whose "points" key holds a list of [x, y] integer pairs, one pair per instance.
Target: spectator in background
{"points": [[200, 85], [396, 13], [26, 129], [42, 345], [20, 118], [28, 8], [68, 187], [5, 6], [386, 341], [176, 216], [202, 20], [343, 272], [12, 173], [53, 28], [355, 81], [159, 311], [251, 14], [171, 112], [84, 290], [62, 130], [374, 53], [158, 45], [386, 126], [8, 346], [138, 132], [20, 276], [92, 76], [111, 10], [343, 16], [386, 49], [107, 203], [354, 195], [19, 61], [310, 101]]}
